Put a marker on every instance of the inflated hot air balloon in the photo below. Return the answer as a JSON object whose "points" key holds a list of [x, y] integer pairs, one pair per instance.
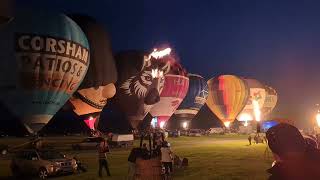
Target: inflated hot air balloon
{"points": [[90, 122], [258, 94], [140, 82], [6, 11], [175, 89], [270, 101], [98, 84], [194, 100], [44, 58], [228, 94]]}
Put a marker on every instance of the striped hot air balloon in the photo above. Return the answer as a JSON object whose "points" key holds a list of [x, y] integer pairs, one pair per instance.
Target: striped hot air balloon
{"points": [[175, 89], [228, 94], [194, 100]]}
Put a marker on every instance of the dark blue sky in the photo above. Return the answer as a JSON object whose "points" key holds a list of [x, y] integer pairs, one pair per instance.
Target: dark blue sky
{"points": [[275, 42]]}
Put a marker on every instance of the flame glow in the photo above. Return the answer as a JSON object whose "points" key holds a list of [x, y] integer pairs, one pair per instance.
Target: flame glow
{"points": [[245, 123], [155, 73], [318, 118], [185, 125], [245, 117], [256, 110], [227, 124], [162, 123], [159, 54], [90, 118]]}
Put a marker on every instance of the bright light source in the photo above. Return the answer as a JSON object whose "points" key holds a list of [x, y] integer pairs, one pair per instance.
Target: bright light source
{"points": [[256, 110], [318, 119], [90, 118], [227, 124], [185, 125], [245, 117], [162, 123], [155, 73], [246, 123], [159, 54]]}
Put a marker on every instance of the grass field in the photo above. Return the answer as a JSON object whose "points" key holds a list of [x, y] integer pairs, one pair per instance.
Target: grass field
{"points": [[214, 157]]}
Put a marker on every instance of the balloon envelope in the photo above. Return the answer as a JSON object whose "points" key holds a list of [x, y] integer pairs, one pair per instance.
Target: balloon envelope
{"points": [[270, 101], [257, 93], [44, 57], [98, 84], [90, 122], [227, 96], [139, 84], [6, 10], [195, 98], [175, 89]]}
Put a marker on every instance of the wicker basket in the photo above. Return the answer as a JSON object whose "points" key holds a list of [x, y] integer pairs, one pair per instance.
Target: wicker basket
{"points": [[148, 169]]}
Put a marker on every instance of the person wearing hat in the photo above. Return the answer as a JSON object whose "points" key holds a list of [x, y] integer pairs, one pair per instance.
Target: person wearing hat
{"points": [[166, 157], [294, 160]]}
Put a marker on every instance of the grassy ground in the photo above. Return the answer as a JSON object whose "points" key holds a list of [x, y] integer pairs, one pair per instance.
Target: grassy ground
{"points": [[215, 157]]}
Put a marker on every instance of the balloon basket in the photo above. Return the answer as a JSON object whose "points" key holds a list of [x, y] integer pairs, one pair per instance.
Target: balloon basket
{"points": [[148, 169]]}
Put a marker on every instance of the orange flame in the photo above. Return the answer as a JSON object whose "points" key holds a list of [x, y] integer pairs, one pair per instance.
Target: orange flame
{"points": [[159, 54], [256, 110]]}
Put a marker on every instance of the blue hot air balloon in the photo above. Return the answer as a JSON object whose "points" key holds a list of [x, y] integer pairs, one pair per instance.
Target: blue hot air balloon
{"points": [[194, 100], [44, 58]]}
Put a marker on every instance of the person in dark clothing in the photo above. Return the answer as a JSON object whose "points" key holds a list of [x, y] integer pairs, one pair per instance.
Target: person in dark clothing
{"points": [[103, 163], [80, 166], [294, 159], [250, 139], [144, 151], [134, 154]]}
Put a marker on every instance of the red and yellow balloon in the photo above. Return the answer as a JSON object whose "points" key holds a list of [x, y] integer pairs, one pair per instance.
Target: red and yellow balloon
{"points": [[228, 94]]}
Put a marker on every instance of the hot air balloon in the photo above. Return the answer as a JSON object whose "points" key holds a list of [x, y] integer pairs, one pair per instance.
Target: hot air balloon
{"points": [[194, 100], [255, 102], [98, 84], [175, 89], [6, 11], [44, 58], [140, 82], [228, 94], [90, 122], [270, 101]]}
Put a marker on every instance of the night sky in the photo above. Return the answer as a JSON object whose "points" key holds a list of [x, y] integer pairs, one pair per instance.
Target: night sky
{"points": [[274, 42]]}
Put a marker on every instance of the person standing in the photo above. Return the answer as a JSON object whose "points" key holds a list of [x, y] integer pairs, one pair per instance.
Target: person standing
{"points": [[250, 139], [103, 149], [166, 157], [80, 166], [132, 163]]}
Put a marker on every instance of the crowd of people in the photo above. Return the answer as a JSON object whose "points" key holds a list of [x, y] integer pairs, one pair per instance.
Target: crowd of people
{"points": [[296, 156]]}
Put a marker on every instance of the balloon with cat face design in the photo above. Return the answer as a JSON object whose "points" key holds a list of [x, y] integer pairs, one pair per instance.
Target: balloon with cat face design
{"points": [[140, 82]]}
